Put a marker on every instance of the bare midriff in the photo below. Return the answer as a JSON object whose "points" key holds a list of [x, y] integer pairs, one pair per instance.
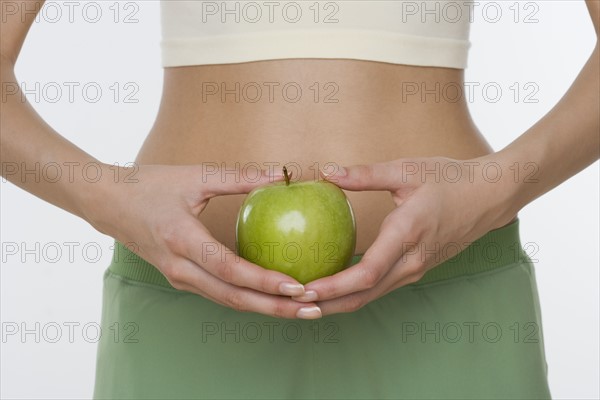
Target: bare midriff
{"points": [[306, 114]]}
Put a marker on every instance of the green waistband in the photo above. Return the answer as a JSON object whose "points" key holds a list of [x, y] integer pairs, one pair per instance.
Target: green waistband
{"points": [[495, 249]]}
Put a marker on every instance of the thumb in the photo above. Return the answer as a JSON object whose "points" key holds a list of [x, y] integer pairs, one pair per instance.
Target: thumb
{"points": [[378, 176], [223, 181]]}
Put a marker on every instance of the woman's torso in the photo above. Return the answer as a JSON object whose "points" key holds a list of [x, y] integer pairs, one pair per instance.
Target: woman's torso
{"points": [[307, 113]]}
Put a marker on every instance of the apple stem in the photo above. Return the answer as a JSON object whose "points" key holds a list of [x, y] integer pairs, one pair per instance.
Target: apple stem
{"points": [[287, 176]]}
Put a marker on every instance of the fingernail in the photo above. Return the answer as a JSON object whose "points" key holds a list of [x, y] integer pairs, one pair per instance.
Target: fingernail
{"points": [[309, 295], [339, 171], [309, 312], [291, 289]]}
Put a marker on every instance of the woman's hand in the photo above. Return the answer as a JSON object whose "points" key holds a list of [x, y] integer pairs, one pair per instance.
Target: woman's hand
{"points": [[438, 201], [158, 213]]}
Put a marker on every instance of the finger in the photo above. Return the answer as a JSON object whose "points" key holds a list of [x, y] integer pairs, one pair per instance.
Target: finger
{"points": [[346, 304], [193, 278], [378, 176], [220, 261], [238, 180], [410, 268], [406, 271], [377, 261]]}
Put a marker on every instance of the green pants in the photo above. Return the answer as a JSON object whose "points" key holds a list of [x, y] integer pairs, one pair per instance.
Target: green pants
{"points": [[471, 328]]}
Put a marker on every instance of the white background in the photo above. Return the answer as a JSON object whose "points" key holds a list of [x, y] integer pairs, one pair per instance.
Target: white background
{"points": [[563, 223]]}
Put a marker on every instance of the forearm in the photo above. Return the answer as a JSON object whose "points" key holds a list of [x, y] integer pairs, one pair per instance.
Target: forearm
{"points": [[36, 158], [561, 144]]}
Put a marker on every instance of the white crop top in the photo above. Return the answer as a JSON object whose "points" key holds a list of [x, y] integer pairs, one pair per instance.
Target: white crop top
{"points": [[426, 33]]}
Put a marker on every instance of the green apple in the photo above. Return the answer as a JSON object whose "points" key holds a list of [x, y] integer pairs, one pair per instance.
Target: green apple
{"points": [[304, 229]]}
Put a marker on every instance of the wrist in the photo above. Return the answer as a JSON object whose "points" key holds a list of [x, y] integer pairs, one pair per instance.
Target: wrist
{"points": [[96, 195], [506, 180]]}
